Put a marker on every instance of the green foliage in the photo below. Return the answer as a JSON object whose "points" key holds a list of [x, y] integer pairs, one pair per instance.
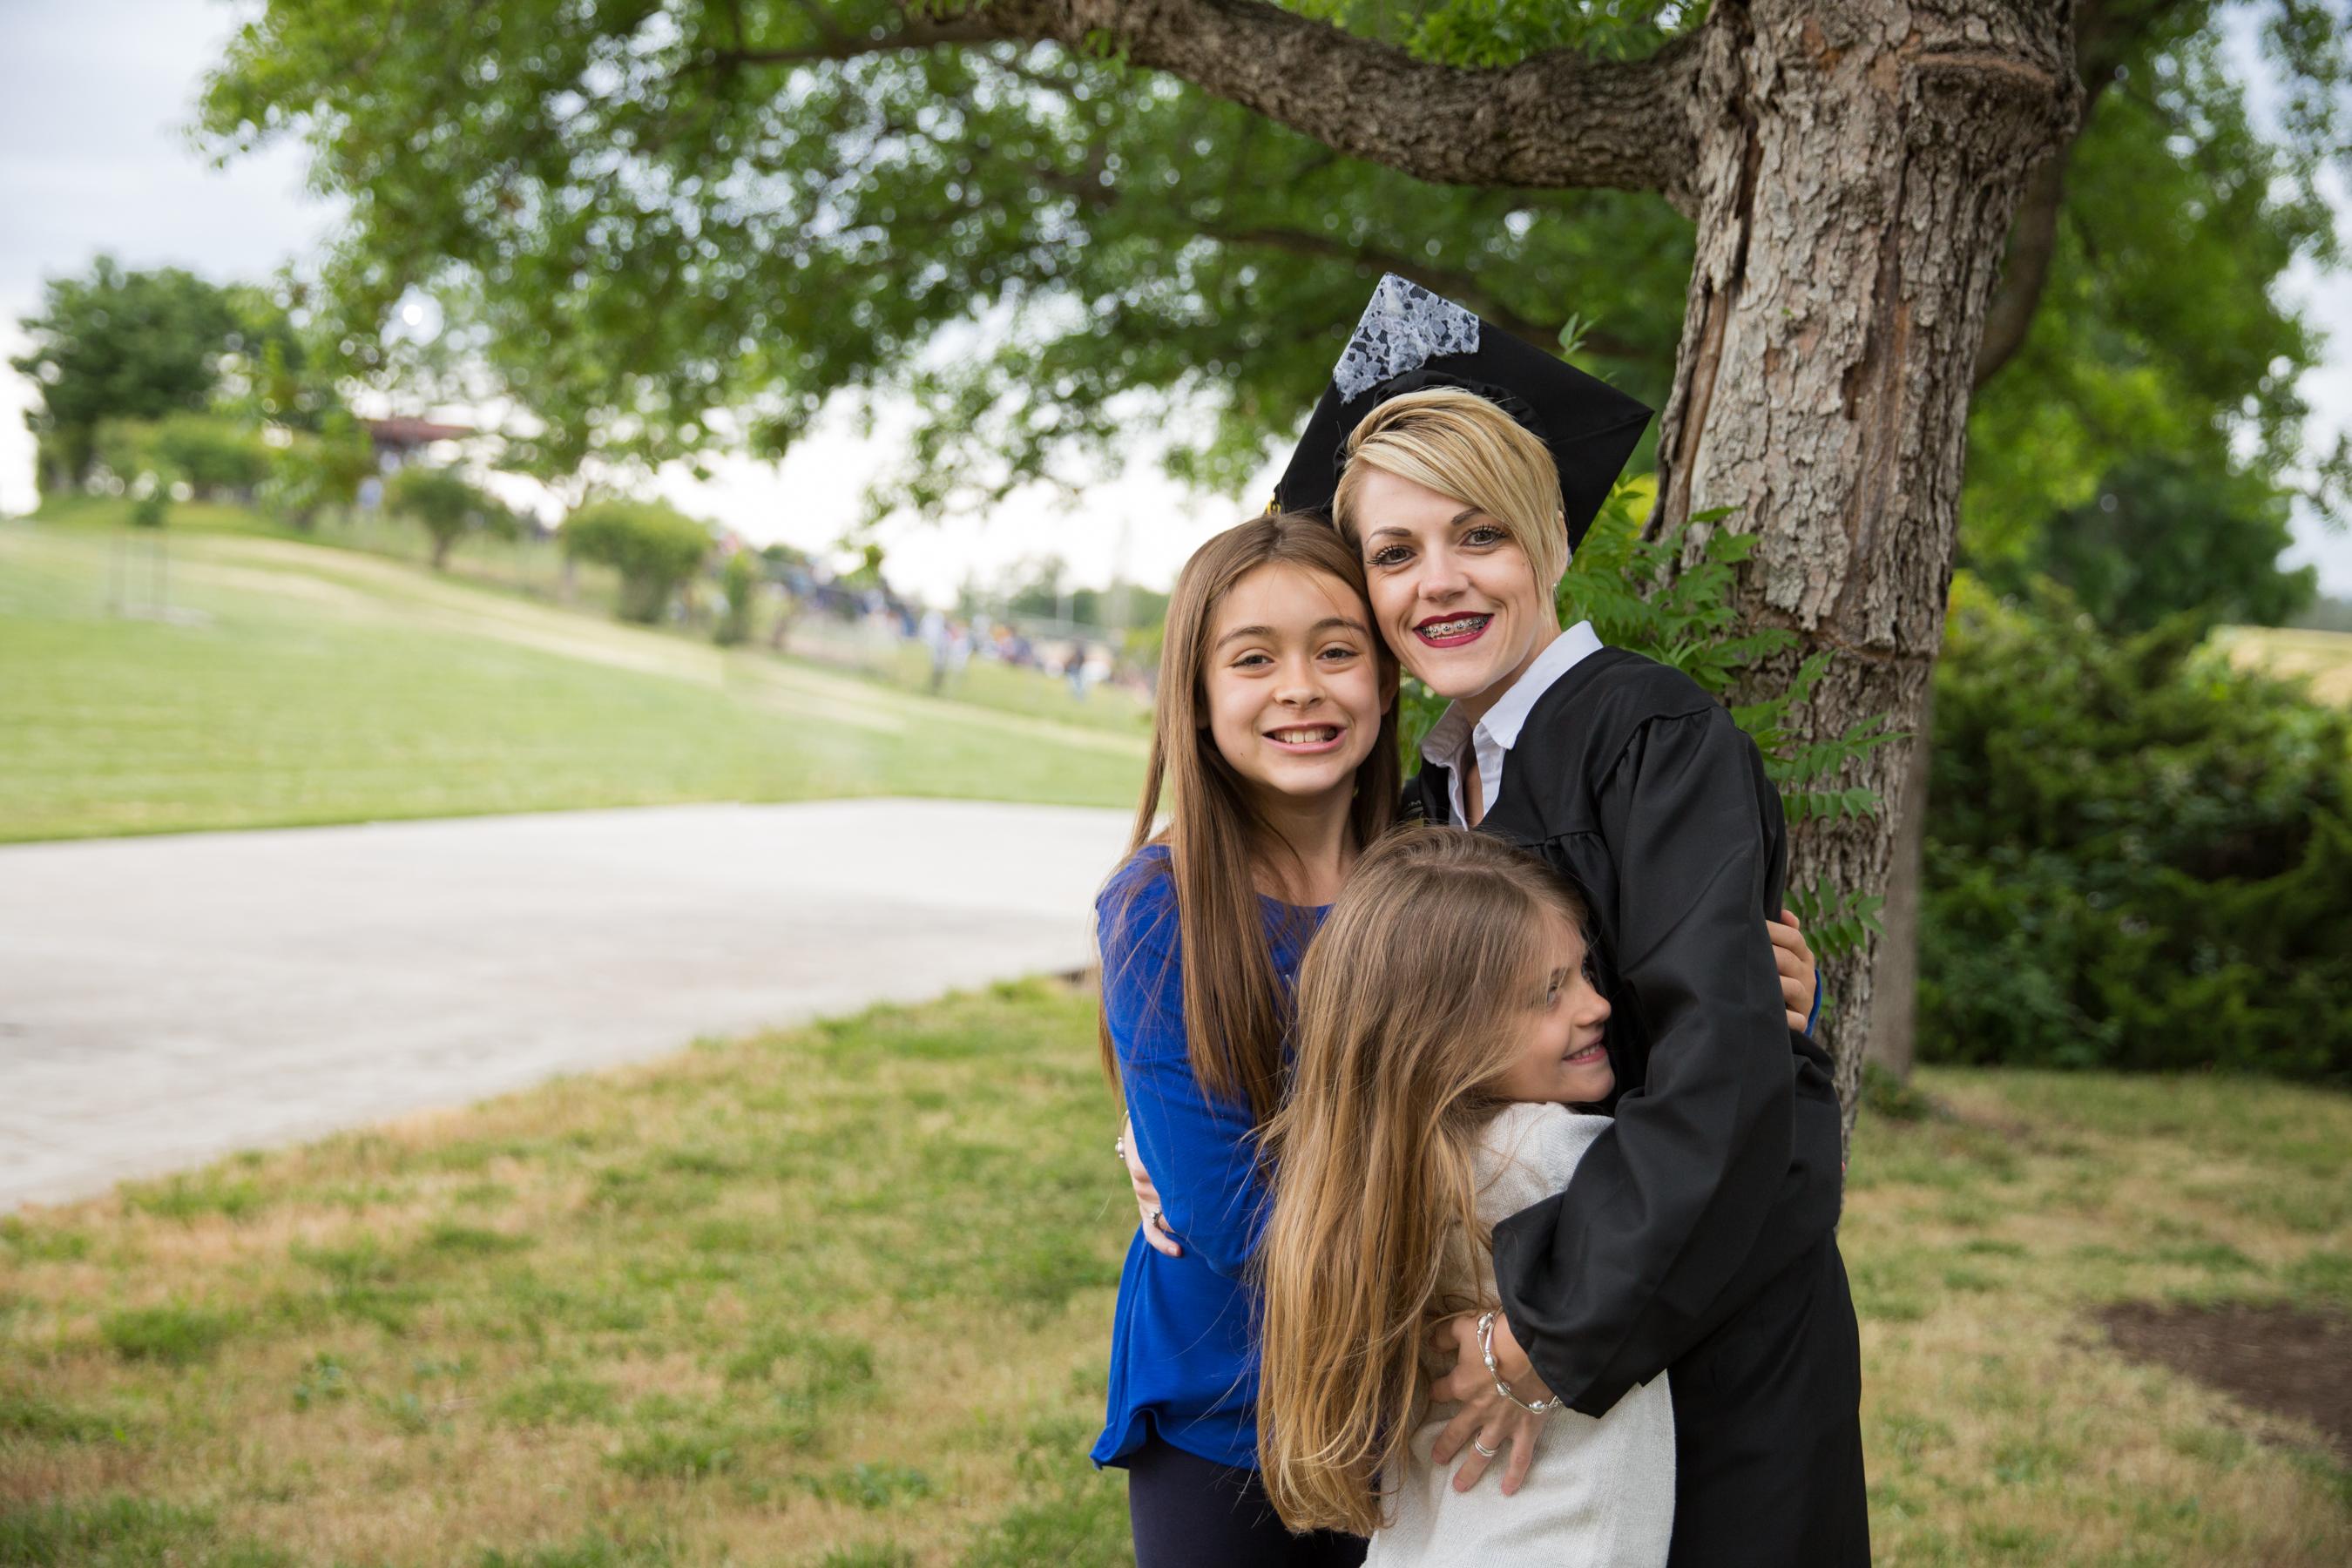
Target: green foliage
{"points": [[211, 454], [120, 346], [650, 216], [2162, 364], [740, 580], [652, 546], [125, 448], [446, 506], [2136, 857], [653, 214], [2167, 535], [207, 452], [320, 472]]}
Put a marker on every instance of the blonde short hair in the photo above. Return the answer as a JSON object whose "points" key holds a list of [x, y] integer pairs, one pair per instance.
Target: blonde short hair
{"points": [[1460, 445]]}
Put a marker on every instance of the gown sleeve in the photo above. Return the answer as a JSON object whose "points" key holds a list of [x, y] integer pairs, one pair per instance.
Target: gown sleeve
{"points": [[1609, 1282], [1202, 1151]]}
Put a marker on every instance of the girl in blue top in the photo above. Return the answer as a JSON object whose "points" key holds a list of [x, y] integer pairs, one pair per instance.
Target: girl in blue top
{"points": [[1275, 746]]}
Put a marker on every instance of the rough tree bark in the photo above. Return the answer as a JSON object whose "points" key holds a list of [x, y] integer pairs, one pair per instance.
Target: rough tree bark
{"points": [[1858, 167], [1895, 972]]}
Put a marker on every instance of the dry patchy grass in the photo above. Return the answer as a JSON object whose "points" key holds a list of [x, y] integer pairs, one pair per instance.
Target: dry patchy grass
{"points": [[832, 1297], [839, 1297], [2325, 657], [2000, 1424]]}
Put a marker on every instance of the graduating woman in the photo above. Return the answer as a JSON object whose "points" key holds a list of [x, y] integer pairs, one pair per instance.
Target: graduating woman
{"points": [[1698, 1232]]}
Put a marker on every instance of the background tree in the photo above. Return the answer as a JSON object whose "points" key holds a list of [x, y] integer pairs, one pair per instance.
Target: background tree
{"points": [[1784, 224], [654, 547], [119, 345], [445, 505], [320, 472], [740, 580], [215, 456]]}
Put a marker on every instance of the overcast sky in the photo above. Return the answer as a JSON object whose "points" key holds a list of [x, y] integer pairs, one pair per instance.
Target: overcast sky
{"points": [[95, 96]]}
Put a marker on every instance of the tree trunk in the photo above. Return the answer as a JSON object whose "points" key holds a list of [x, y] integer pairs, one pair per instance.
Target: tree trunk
{"points": [[1857, 167], [1895, 974]]}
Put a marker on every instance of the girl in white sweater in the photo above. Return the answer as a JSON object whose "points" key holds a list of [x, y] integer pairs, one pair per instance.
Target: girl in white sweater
{"points": [[1448, 1022]]}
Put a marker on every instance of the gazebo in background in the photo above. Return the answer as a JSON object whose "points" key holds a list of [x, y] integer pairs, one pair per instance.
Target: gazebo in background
{"points": [[400, 440]]}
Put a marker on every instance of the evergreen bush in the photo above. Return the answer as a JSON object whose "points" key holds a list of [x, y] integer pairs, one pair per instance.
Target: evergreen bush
{"points": [[2136, 857]]}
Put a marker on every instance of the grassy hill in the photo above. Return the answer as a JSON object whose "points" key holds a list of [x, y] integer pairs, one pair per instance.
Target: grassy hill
{"points": [[291, 682], [2325, 657]]}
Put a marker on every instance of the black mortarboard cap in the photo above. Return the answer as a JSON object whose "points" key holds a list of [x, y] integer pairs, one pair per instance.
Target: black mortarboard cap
{"points": [[1409, 337]]}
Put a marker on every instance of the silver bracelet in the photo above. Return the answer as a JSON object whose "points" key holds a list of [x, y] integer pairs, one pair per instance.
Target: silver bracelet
{"points": [[1486, 1353]]}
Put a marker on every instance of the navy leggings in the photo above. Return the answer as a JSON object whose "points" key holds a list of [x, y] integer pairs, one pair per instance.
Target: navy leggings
{"points": [[1191, 1512]]}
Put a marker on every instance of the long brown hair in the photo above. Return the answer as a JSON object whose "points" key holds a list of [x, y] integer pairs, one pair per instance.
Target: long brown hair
{"points": [[1412, 1005], [1236, 1011]]}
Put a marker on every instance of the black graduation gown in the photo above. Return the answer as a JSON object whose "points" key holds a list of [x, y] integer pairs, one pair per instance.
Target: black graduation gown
{"points": [[1698, 1234]]}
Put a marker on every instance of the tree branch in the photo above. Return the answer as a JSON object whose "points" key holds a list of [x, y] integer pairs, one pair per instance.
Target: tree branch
{"points": [[2106, 33], [2032, 241], [1559, 120]]}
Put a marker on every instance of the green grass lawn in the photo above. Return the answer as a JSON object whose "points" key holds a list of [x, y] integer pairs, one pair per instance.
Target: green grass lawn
{"points": [[534, 569], [840, 1297], [299, 684]]}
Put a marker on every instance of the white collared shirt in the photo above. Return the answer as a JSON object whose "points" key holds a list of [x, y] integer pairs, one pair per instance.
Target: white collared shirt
{"points": [[1490, 740]]}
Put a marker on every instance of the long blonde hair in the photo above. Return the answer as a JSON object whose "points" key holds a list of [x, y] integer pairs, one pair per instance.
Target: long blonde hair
{"points": [[1460, 445], [1412, 1004], [1237, 1010]]}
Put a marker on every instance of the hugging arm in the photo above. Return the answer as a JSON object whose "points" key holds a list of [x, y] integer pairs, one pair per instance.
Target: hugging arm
{"points": [[1607, 1283]]}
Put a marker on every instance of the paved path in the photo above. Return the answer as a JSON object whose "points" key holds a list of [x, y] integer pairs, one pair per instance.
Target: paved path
{"points": [[164, 1001]]}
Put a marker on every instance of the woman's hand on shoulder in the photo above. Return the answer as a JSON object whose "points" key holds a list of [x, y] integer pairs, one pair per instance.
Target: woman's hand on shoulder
{"points": [[1794, 960]]}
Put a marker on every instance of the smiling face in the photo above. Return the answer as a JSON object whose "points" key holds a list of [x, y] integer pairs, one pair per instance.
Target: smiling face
{"points": [[1563, 1057], [1454, 594], [1291, 683]]}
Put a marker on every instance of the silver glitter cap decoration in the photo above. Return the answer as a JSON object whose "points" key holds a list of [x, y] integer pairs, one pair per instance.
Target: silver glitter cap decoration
{"points": [[1403, 328]]}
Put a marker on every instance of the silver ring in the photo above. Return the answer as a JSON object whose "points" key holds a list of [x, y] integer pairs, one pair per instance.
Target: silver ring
{"points": [[1484, 1451], [1153, 1218], [1118, 1147]]}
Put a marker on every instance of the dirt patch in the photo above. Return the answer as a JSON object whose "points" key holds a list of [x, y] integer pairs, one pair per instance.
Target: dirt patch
{"points": [[2277, 1359]]}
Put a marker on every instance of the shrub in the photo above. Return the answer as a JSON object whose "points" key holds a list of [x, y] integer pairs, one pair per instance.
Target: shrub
{"points": [[448, 507], [312, 473], [2136, 857], [654, 547], [212, 455], [741, 581]]}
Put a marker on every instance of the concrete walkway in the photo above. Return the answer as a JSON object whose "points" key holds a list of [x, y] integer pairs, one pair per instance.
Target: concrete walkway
{"points": [[165, 1001]]}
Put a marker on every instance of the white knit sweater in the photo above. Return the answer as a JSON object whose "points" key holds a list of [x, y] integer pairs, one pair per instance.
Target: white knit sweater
{"points": [[1601, 1492]]}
